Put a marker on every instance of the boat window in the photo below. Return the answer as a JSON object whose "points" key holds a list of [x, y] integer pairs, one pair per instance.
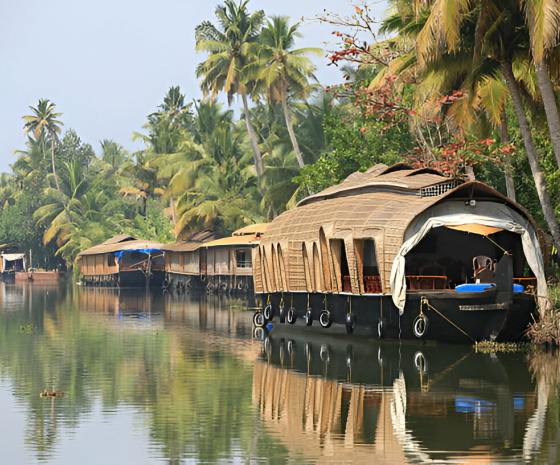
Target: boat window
{"points": [[283, 279], [372, 281], [242, 258], [340, 265], [274, 269], [309, 284], [267, 282], [317, 270], [111, 260], [325, 260]]}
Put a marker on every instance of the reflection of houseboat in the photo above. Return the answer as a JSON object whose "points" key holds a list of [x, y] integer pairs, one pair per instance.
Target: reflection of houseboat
{"points": [[353, 401], [218, 265], [395, 250], [123, 260], [10, 264]]}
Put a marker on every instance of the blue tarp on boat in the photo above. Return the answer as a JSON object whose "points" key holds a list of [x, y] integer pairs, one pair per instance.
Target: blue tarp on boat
{"points": [[479, 287], [120, 253]]}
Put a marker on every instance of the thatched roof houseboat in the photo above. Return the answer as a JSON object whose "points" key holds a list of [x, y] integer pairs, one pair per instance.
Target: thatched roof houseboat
{"points": [[123, 260], [217, 265], [393, 249]]}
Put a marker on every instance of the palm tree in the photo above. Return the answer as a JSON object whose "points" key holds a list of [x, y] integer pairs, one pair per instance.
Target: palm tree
{"points": [[543, 21], [44, 120], [500, 36], [229, 52], [283, 69]]}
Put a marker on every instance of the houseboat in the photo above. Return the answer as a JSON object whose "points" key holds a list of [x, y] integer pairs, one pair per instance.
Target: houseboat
{"points": [[10, 264], [183, 263], [123, 260], [220, 265], [403, 253]]}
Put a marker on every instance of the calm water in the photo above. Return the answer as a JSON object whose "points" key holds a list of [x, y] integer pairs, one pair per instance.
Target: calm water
{"points": [[155, 379]]}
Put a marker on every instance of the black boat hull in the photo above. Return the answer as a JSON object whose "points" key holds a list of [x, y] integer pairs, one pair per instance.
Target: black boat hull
{"points": [[462, 317]]}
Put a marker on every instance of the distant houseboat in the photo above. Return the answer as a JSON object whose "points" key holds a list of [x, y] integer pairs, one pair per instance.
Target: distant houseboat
{"points": [[10, 264], [403, 252], [223, 265], [125, 261]]}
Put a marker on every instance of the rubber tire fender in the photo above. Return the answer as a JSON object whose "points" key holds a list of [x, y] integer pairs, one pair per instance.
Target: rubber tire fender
{"points": [[268, 312], [259, 320], [291, 316], [350, 322], [420, 326], [308, 317], [325, 319], [282, 314]]}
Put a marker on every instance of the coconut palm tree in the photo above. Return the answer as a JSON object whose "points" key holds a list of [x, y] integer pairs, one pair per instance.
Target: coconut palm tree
{"points": [[44, 119], [500, 37], [284, 70], [229, 52], [543, 21]]}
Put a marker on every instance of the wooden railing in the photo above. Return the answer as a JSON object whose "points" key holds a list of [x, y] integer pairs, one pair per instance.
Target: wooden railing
{"points": [[427, 282]]}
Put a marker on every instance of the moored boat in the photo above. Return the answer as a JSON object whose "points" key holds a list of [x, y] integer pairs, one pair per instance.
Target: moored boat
{"points": [[10, 264], [125, 261], [217, 265], [403, 253]]}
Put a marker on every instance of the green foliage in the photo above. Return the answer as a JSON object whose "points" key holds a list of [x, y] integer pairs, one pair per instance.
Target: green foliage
{"points": [[353, 149]]}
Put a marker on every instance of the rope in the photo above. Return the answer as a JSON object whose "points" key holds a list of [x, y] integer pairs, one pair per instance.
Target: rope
{"points": [[498, 245], [424, 300], [430, 383]]}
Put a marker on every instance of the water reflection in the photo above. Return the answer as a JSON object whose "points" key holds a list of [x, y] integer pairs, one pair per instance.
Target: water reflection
{"points": [[398, 403], [165, 378]]}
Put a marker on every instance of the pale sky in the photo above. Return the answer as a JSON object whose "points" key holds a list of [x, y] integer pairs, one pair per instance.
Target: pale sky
{"points": [[107, 64]]}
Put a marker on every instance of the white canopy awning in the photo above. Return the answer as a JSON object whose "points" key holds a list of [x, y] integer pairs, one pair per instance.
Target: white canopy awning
{"points": [[488, 217]]}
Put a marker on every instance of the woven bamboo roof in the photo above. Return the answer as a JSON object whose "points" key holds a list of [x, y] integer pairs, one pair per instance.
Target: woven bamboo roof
{"points": [[131, 245], [397, 178], [368, 205], [252, 229], [233, 240], [119, 238]]}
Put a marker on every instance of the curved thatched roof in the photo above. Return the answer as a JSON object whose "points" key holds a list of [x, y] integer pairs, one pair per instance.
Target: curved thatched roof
{"points": [[379, 203], [397, 178], [111, 246]]}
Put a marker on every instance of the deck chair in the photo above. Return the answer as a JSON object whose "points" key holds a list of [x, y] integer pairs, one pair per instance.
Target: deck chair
{"points": [[484, 269]]}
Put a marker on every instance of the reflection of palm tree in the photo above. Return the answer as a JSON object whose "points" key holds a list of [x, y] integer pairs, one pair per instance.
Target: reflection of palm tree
{"points": [[230, 51], [283, 69], [44, 120]]}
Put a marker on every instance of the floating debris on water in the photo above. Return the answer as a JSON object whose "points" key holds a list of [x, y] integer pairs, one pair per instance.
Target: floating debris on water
{"points": [[491, 346], [27, 328], [51, 394]]}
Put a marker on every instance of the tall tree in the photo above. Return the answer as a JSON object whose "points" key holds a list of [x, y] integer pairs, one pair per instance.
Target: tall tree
{"points": [[283, 69], [44, 119], [229, 52], [500, 37], [543, 21]]}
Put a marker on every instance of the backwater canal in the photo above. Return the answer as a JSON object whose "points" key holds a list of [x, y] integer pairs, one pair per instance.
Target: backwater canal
{"points": [[108, 376]]}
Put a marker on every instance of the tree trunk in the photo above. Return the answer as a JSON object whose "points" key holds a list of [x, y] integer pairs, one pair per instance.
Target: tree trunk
{"points": [[257, 157], [173, 214], [550, 107], [508, 171], [290, 127], [68, 217], [532, 155]]}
